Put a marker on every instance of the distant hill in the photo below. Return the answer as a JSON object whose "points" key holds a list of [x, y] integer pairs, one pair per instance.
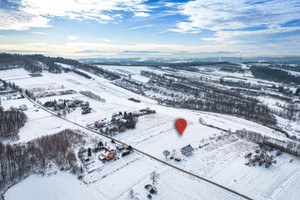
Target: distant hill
{"points": [[36, 62], [191, 61]]}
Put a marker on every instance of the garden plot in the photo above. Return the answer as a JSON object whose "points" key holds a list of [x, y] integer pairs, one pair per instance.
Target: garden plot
{"points": [[260, 182]]}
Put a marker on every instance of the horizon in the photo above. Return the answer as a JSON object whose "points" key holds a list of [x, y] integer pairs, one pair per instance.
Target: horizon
{"points": [[150, 29]]}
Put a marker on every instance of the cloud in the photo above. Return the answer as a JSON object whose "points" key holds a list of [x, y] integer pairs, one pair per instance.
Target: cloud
{"points": [[139, 27], [72, 37], [88, 50], [218, 15], [141, 14], [36, 44], [39, 33], [26, 14], [140, 52], [105, 40], [19, 20]]}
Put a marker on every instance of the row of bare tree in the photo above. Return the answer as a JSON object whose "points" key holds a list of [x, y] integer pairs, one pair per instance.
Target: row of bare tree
{"points": [[289, 146]]}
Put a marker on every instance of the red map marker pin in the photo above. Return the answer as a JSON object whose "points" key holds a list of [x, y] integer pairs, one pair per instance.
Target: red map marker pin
{"points": [[181, 125]]}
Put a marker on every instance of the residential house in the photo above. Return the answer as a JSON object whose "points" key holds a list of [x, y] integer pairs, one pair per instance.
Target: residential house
{"points": [[117, 117], [107, 155], [187, 150], [100, 123]]}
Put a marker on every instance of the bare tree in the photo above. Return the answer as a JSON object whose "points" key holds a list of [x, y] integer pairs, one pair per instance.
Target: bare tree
{"points": [[132, 195], [154, 176], [64, 113], [166, 153], [201, 121], [71, 158]]}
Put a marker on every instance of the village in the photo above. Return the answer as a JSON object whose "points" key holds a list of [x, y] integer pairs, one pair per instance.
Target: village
{"points": [[119, 122], [103, 152], [9, 91], [95, 157]]}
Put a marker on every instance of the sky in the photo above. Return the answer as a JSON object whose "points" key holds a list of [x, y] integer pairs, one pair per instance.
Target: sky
{"points": [[153, 28]]}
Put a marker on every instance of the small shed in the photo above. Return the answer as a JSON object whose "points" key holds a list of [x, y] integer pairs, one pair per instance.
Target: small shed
{"points": [[121, 147], [187, 150]]}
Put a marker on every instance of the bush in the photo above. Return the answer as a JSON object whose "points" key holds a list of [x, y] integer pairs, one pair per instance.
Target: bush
{"points": [[89, 152], [125, 153], [129, 148], [153, 190], [148, 186]]}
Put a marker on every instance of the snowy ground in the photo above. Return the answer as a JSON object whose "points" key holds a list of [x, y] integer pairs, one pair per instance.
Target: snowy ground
{"points": [[222, 161], [53, 187]]}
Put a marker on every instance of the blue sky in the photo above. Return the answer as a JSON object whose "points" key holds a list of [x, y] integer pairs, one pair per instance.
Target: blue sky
{"points": [[155, 28]]}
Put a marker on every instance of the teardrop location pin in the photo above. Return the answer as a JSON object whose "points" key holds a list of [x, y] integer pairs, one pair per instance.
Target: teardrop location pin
{"points": [[181, 125]]}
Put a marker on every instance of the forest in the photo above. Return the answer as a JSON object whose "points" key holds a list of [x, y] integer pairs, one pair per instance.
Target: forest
{"points": [[19, 160], [276, 75], [11, 121]]}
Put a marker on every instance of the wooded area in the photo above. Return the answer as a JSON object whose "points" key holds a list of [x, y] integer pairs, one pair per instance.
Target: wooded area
{"points": [[19, 160], [11, 121], [276, 75]]}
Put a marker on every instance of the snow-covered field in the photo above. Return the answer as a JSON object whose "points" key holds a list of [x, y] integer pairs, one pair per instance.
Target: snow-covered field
{"points": [[222, 162]]}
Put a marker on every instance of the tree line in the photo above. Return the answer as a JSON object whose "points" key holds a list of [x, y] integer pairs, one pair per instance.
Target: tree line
{"points": [[289, 146]]}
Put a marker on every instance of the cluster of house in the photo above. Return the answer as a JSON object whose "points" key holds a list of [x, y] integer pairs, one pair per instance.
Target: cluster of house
{"points": [[68, 105], [106, 124], [54, 93], [106, 153], [110, 154], [12, 96]]}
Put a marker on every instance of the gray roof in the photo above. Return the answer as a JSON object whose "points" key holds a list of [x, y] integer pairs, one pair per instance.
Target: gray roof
{"points": [[187, 148]]}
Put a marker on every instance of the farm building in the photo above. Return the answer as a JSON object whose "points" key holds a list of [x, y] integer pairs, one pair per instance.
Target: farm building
{"points": [[121, 147], [187, 150]]}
